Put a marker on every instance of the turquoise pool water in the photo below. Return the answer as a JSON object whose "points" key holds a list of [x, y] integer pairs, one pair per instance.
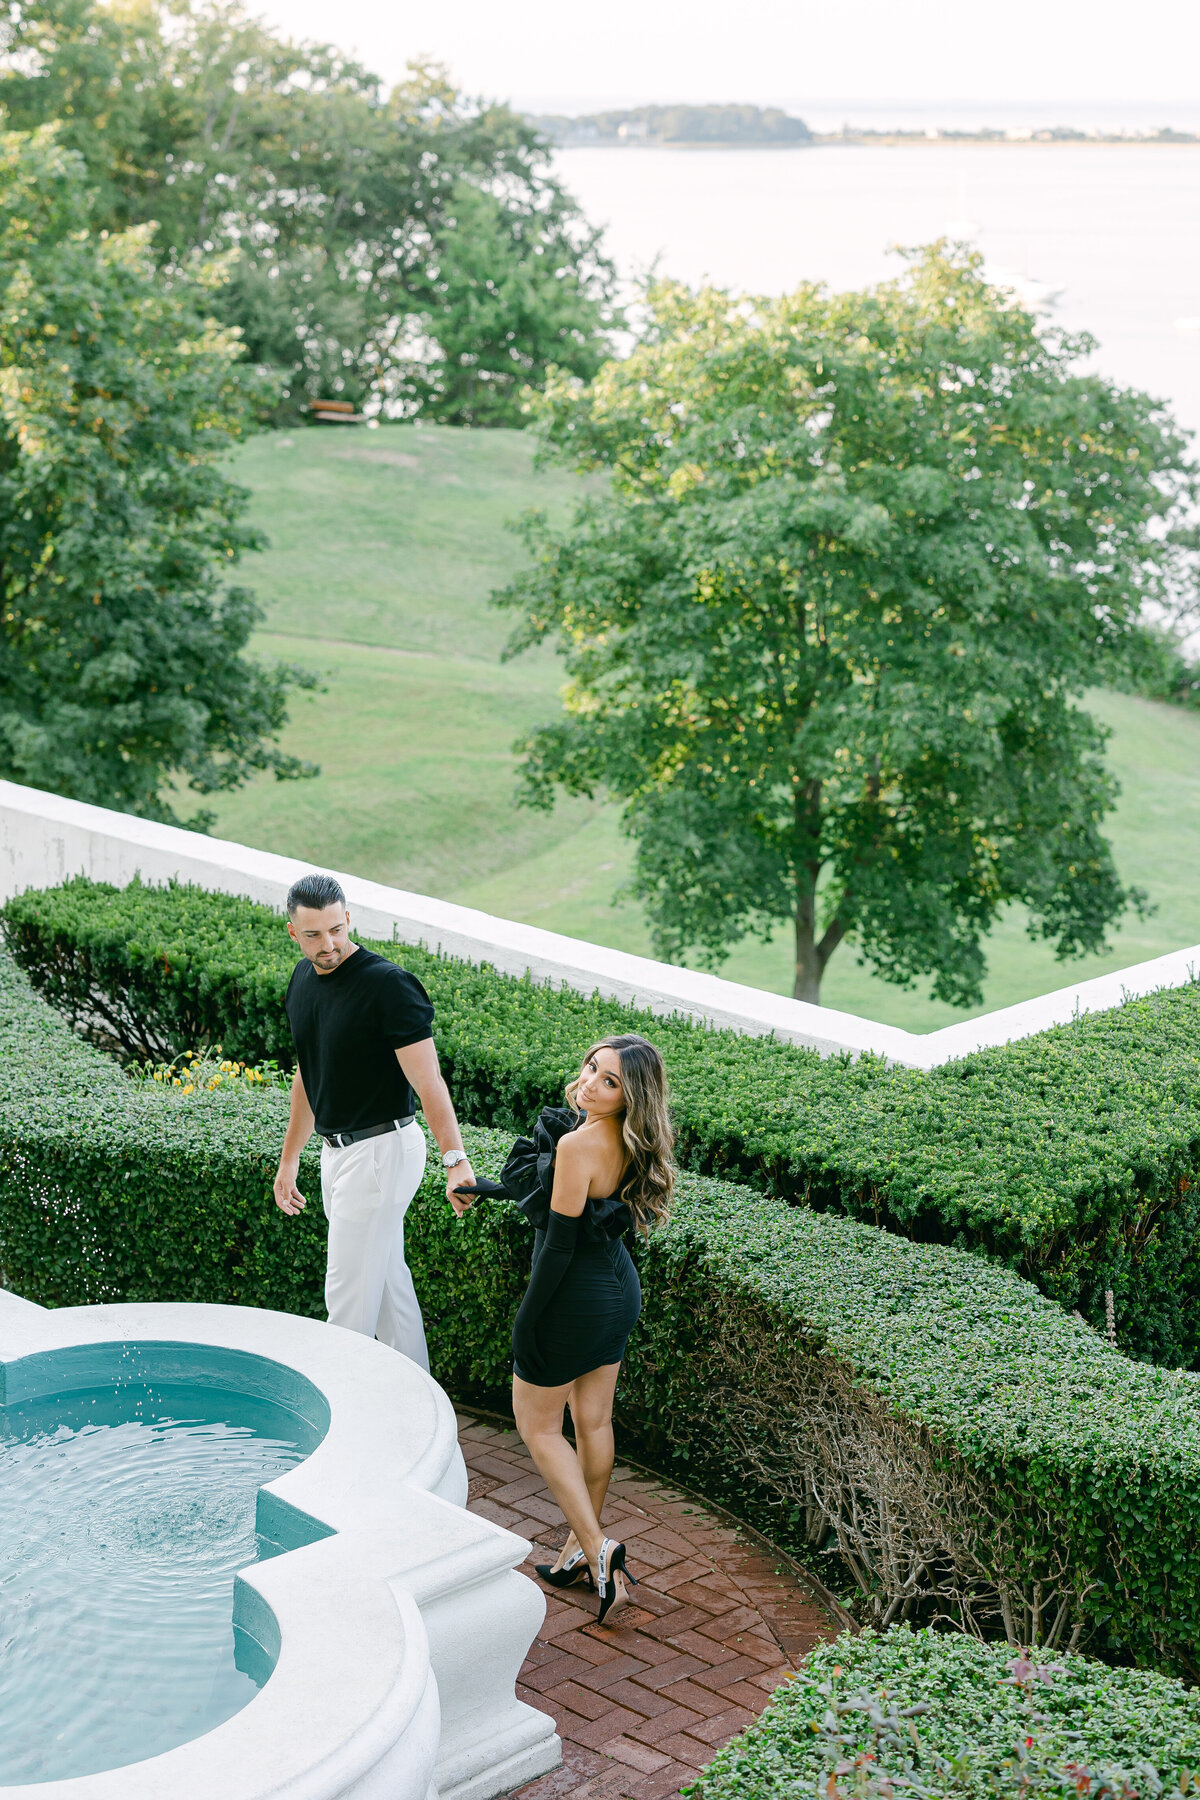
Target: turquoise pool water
{"points": [[125, 1512]]}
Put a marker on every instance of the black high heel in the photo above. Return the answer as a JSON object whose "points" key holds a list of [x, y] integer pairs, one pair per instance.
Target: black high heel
{"points": [[573, 1571], [610, 1561]]}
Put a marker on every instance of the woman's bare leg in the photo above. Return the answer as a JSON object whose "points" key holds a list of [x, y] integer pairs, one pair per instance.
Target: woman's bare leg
{"points": [[591, 1398], [538, 1413], [591, 1402], [591, 1405]]}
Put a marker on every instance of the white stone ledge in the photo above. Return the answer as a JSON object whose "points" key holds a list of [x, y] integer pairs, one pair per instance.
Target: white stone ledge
{"points": [[44, 839]]}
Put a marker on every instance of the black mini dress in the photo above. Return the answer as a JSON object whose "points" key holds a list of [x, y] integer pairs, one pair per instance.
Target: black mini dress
{"points": [[584, 1297]]}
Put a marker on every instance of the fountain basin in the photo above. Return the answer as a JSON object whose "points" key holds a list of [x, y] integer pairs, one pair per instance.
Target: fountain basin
{"points": [[386, 1626]]}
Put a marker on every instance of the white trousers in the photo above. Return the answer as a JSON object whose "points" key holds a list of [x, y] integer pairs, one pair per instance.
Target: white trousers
{"points": [[366, 1189]]}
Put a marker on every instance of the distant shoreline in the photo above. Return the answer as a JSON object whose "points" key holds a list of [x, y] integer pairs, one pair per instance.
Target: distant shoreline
{"points": [[1022, 140], [897, 140], [768, 128]]}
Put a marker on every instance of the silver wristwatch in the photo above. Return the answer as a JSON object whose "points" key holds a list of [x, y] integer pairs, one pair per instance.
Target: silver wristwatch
{"points": [[452, 1158]]}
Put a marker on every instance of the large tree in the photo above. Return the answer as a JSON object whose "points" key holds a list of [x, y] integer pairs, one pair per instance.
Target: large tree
{"points": [[413, 246], [827, 623], [123, 676]]}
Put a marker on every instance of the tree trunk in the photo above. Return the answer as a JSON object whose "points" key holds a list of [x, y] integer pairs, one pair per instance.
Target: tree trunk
{"points": [[809, 967], [812, 955]]}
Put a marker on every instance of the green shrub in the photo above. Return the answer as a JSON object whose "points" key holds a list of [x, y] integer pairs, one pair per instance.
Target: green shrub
{"points": [[1073, 1156], [961, 1442], [159, 970], [1070, 1726], [112, 1188]]}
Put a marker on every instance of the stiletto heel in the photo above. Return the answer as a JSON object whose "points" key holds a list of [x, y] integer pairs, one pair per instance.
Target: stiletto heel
{"points": [[573, 1571], [609, 1563]]}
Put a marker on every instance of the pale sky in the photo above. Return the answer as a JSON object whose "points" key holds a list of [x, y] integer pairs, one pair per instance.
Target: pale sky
{"points": [[559, 51]]}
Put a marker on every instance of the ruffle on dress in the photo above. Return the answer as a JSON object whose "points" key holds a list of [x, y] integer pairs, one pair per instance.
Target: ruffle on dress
{"points": [[528, 1179]]}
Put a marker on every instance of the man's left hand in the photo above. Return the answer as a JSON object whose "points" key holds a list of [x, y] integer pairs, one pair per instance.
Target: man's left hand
{"points": [[461, 1175]]}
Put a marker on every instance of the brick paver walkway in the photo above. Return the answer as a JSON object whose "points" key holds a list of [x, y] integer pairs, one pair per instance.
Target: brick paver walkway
{"points": [[642, 1704]]}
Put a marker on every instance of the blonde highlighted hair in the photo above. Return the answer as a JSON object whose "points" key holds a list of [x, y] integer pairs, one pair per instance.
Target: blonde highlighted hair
{"points": [[649, 1136]]}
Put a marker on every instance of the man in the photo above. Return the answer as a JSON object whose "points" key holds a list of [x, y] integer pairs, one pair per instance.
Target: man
{"points": [[362, 1030]]}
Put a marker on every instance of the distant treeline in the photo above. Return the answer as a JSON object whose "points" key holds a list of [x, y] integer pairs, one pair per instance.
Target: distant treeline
{"points": [[770, 125], [678, 125]]}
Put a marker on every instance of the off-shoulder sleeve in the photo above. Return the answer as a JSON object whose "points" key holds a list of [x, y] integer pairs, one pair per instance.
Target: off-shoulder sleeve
{"points": [[605, 1219], [528, 1174], [528, 1178], [544, 1282]]}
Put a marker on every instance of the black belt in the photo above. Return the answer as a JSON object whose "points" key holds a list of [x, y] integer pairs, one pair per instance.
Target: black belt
{"points": [[341, 1140]]}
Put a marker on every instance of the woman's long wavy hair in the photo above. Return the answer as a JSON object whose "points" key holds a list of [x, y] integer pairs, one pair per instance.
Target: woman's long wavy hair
{"points": [[646, 1128]]}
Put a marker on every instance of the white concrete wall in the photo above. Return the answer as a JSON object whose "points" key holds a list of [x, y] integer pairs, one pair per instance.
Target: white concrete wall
{"points": [[44, 839]]}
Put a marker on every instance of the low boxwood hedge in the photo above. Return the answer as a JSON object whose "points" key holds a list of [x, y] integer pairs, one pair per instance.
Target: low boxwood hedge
{"points": [[1073, 1156], [960, 1442], [955, 1716]]}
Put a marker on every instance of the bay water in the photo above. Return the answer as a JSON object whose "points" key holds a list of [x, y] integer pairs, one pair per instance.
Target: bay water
{"points": [[1113, 228]]}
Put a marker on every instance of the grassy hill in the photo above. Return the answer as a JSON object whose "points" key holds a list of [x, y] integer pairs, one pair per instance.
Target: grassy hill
{"points": [[384, 547]]}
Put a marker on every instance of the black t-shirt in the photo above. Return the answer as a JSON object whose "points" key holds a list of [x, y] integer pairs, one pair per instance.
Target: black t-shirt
{"points": [[347, 1027]]}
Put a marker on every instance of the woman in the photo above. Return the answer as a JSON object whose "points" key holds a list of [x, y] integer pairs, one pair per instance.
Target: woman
{"points": [[594, 1170]]}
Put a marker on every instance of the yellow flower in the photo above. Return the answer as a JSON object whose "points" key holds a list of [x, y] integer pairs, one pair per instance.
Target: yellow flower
{"points": [[175, 1082], [187, 1088]]}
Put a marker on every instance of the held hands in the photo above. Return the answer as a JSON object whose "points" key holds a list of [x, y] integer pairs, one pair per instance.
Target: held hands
{"points": [[464, 1193], [460, 1176], [288, 1197]]}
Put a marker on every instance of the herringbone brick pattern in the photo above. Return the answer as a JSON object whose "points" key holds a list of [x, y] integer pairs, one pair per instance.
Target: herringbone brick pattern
{"points": [[641, 1705]]}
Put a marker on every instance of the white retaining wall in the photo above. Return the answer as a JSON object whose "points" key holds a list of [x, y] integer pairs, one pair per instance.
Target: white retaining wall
{"points": [[44, 839]]}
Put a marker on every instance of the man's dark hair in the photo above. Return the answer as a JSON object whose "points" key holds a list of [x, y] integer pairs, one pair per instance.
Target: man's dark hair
{"points": [[315, 890]]}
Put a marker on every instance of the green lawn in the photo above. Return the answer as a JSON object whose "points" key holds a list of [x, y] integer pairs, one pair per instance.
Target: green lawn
{"points": [[384, 547], [394, 536]]}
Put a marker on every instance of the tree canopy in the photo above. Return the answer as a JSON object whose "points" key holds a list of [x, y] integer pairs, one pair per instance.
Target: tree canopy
{"points": [[827, 623], [410, 245], [121, 648]]}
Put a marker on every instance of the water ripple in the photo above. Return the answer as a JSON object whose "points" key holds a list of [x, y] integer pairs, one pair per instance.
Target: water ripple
{"points": [[123, 1518]]}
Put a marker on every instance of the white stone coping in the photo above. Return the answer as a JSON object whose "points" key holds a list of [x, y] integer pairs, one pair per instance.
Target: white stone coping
{"points": [[400, 1637], [44, 839]]}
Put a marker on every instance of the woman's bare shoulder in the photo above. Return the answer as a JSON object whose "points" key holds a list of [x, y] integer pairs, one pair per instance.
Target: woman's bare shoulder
{"points": [[577, 1150]]}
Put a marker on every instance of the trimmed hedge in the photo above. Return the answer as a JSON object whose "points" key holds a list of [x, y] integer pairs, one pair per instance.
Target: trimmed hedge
{"points": [[1073, 1156], [113, 1188], [160, 970], [1073, 1726], [957, 1439]]}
